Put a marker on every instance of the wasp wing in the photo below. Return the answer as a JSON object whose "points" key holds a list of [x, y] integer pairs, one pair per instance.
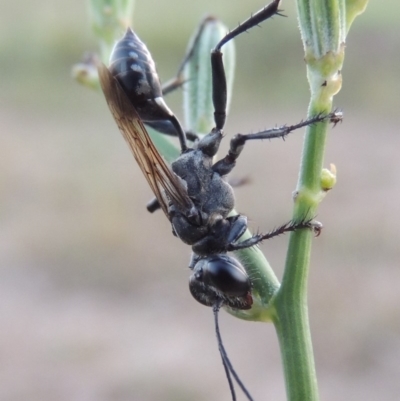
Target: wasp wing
{"points": [[167, 187]]}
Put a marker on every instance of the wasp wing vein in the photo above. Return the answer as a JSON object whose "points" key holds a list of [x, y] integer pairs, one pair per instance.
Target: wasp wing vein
{"points": [[166, 186]]}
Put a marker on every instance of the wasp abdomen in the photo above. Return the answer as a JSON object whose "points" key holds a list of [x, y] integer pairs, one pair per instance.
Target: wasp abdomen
{"points": [[131, 63], [133, 67]]}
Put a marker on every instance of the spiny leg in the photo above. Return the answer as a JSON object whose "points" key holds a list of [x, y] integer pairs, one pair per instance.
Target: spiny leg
{"points": [[286, 228], [225, 165], [219, 91]]}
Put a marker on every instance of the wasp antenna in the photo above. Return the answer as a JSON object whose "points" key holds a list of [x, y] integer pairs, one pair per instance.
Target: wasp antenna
{"points": [[225, 360], [216, 309]]}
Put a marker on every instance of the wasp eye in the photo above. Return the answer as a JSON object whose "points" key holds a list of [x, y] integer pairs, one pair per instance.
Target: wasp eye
{"points": [[221, 277], [223, 273], [227, 275]]}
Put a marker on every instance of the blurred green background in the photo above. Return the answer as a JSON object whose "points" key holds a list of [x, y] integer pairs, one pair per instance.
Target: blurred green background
{"points": [[94, 298]]}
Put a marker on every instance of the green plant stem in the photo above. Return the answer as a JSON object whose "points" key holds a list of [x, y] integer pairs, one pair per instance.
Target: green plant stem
{"points": [[323, 29], [291, 323], [265, 283], [291, 320], [324, 25]]}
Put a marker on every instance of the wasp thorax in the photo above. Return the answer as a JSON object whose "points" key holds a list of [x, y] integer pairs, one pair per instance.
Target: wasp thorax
{"points": [[131, 63]]}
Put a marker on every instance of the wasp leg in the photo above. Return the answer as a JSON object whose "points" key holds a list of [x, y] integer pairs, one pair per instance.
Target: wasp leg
{"points": [[219, 91], [166, 127], [153, 205], [225, 165], [224, 232], [193, 260], [288, 227], [169, 126]]}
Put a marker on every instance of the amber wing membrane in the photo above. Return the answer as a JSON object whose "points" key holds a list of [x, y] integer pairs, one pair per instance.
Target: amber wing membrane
{"points": [[166, 186]]}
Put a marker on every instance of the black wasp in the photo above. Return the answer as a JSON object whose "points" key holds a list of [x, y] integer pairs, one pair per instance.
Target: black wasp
{"points": [[192, 192]]}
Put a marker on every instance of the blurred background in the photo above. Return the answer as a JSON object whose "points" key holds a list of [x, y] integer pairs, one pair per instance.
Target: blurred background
{"points": [[94, 303]]}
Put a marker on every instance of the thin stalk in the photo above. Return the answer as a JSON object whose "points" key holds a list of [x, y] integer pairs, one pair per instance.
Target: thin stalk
{"points": [[323, 25]]}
